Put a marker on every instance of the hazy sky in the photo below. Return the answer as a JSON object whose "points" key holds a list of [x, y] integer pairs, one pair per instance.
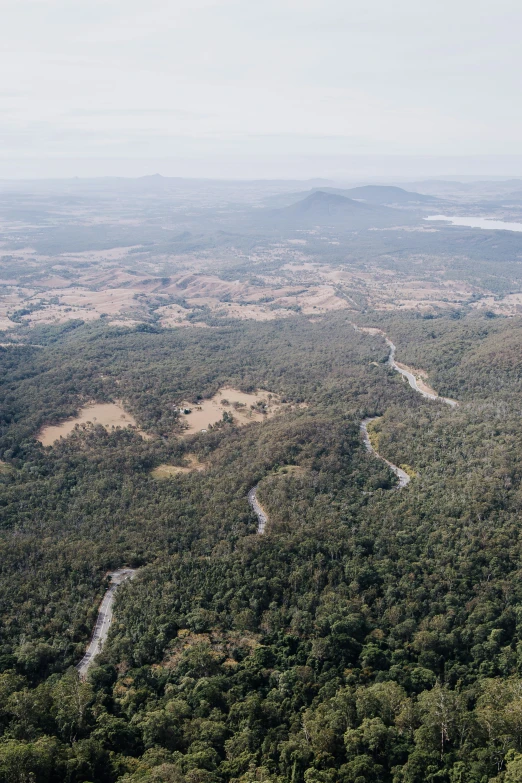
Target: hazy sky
{"points": [[209, 80]]}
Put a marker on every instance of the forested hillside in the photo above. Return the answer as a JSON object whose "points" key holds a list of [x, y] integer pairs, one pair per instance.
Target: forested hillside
{"points": [[370, 635]]}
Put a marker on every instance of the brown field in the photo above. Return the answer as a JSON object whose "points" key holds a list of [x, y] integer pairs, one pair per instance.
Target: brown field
{"points": [[316, 300], [511, 304], [108, 414], [383, 289], [248, 311], [173, 315], [81, 303], [211, 411], [106, 283]]}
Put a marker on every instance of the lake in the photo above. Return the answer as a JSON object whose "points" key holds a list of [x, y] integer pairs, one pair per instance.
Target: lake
{"points": [[479, 222]]}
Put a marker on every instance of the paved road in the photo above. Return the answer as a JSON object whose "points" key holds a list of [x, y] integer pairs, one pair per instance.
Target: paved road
{"points": [[258, 510], [403, 477], [401, 474], [405, 371], [412, 380], [104, 619]]}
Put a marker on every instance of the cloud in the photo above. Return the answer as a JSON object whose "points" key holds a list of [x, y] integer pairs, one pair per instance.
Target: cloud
{"points": [[384, 77]]}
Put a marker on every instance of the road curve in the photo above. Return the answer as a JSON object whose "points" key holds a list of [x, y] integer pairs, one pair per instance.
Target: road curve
{"points": [[104, 619], [412, 380], [403, 477], [401, 474], [258, 510], [405, 371]]}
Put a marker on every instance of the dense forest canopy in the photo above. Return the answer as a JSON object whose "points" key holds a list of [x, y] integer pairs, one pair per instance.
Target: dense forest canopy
{"points": [[372, 634]]}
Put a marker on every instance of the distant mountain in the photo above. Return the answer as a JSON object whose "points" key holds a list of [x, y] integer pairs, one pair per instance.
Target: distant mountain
{"points": [[322, 208], [370, 194], [388, 194], [454, 188]]}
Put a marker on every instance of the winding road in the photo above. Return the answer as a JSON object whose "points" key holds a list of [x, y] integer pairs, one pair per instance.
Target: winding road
{"points": [[412, 380], [258, 510], [401, 474], [407, 373], [104, 619]]}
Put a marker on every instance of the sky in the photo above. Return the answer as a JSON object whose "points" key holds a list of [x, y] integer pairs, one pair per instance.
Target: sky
{"points": [[250, 88]]}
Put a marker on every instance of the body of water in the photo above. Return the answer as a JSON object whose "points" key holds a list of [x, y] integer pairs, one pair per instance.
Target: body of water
{"points": [[478, 222]]}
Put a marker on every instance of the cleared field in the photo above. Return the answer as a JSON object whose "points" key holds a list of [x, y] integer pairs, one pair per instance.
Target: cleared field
{"points": [[96, 288], [511, 304], [252, 312], [244, 408], [108, 414]]}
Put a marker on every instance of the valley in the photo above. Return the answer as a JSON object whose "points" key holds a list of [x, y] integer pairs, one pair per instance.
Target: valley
{"points": [[259, 263], [260, 392], [292, 430]]}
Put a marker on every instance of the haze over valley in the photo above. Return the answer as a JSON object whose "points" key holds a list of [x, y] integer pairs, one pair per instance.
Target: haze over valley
{"points": [[159, 251], [260, 392]]}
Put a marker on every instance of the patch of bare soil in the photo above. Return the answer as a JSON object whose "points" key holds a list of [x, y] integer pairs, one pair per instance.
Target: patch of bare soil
{"points": [[316, 300], [253, 312], [511, 304], [369, 329], [244, 409], [108, 414]]}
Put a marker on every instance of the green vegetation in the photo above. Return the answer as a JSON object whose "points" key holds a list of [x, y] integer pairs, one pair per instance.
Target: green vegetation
{"points": [[368, 636], [471, 358], [373, 433]]}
